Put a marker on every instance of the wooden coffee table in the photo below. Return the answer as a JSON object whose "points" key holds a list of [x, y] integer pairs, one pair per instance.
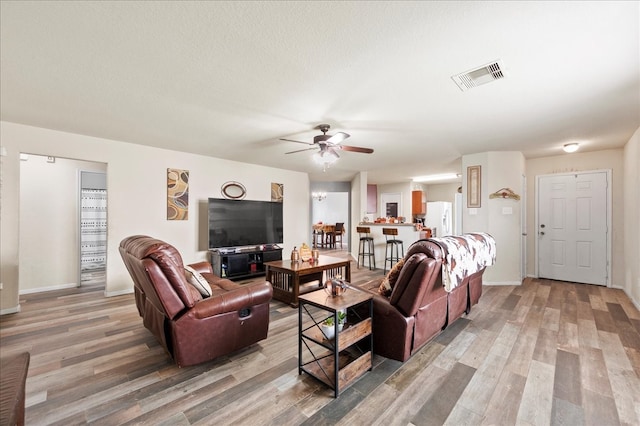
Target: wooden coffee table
{"points": [[291, 279]]}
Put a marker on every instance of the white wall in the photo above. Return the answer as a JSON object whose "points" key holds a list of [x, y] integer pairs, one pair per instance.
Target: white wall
{"points": [[498, 170], [332, 209], [597, 160], [358, 209], [137, 197], [404, 206], [631, 283], [48, 241], [442, 191]]}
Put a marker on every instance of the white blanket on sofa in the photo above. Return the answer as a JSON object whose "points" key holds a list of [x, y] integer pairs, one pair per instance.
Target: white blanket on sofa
{"points": [[465, 255]]}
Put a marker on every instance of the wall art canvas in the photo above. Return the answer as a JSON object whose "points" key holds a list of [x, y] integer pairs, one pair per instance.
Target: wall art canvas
{"points": [[177, 194], [473, 186], [277, 192]]}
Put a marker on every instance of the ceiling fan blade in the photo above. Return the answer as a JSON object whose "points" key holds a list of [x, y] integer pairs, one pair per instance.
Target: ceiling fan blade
{"points": [[355, 149], [301, 150], [291, 140], [338, 137]]}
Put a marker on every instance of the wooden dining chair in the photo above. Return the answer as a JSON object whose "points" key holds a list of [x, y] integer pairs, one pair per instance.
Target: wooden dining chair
{"points": [[338, 233], [329, 236]]}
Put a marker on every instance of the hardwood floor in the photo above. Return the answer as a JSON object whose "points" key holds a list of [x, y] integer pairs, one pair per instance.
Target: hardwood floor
{"points": [[542, 353]]}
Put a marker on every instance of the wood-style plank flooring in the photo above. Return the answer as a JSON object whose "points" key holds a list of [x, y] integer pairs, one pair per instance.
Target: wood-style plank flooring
{"points": [[543, 353]]}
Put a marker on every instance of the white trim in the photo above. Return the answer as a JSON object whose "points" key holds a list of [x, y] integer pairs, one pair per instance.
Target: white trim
{"points": [[523, 227], [499, 283], [52, 288], [609, 215], [7, 311], [117, 293]]}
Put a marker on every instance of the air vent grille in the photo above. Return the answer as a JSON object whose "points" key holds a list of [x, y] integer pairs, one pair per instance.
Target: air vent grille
{"points": [[482, 75]]}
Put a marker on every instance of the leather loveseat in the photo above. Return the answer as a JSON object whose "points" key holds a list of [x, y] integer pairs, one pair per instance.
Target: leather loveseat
{"points": [[437, 282], [193, 328]]}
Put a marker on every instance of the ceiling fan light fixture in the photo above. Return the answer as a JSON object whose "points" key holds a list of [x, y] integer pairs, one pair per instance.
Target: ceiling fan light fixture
{"points": [[325, 157], [571, 147]]}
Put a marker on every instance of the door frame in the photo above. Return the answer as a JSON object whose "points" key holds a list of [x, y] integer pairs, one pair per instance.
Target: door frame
{"points": [[608, 213], [523, 230]]}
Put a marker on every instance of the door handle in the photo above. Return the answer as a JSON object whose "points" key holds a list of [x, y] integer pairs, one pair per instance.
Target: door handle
{"points": [[541, 233], [542, 226]]}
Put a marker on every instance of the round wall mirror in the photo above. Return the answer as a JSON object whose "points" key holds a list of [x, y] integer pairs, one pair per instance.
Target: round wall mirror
{"points": [[233, 190]]}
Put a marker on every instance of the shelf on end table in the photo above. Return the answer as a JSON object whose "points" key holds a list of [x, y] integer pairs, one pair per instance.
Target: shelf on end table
{"points": [[350, 366]]}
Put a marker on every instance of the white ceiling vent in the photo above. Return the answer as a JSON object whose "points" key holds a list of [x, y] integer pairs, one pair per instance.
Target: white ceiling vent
{"points": [[482, 75]]}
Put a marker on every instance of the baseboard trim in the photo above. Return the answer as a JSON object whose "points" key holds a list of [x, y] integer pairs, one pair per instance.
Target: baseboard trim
{"points": [[8, 311], [52, 288], [497, 283], [117, 293], [634, 302]]}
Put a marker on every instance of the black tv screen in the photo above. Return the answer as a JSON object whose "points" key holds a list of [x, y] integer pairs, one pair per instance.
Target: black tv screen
{"points": [[237, 223]]}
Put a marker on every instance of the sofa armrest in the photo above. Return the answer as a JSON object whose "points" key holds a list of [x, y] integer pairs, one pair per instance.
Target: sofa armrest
{"points": [[202, 267], [393, 332], [12, 388], [234, 300]]}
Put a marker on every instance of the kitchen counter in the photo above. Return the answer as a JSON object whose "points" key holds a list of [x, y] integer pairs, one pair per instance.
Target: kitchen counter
{"points": [[386, 225], [406, 232]]}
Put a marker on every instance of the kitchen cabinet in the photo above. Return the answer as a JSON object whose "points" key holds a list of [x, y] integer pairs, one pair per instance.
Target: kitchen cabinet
{"points": [[418, 204]]}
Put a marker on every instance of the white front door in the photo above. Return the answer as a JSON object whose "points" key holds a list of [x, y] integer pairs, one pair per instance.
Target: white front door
{"points": [[572, 227]]}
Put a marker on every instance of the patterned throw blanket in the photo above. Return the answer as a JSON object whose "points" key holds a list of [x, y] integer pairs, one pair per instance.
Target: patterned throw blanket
{"points": [[465, 255]]}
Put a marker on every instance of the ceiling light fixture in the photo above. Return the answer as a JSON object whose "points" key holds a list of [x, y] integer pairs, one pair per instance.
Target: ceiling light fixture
{"points": [[326, 158], [570, 147], [431, 178], [319, 195]]}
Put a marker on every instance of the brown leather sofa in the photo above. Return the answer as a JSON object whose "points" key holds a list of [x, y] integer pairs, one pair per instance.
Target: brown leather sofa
{"points": [[191, 328], [419, 307]]}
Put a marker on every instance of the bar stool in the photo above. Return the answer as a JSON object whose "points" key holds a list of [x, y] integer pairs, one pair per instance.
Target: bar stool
{"points": [[391, 252], [366, 248]]}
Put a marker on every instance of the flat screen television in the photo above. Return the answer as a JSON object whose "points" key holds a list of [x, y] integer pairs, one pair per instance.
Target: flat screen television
{"points": [[238, 223]]}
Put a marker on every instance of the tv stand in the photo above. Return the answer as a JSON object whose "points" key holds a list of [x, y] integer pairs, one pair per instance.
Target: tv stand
{"points": [[238, 263]]}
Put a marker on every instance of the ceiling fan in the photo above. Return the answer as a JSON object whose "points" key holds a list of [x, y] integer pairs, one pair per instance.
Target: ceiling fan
{"points": [[328, 145]]}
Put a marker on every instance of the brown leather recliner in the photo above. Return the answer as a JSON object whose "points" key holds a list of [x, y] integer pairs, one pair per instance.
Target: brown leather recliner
{"points": [[191, 328], [415, 312]]}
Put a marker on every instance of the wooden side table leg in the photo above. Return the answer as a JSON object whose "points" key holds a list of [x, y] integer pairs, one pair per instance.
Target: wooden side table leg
{"points": [[296, 288]]}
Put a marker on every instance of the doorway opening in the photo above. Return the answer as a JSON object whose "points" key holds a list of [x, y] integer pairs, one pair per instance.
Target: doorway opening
{"points": [[331, 210], [93, 228], [50, 218]]}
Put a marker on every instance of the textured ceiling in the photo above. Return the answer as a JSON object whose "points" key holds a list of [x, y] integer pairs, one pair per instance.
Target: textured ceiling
{"points": [[228, 79]]}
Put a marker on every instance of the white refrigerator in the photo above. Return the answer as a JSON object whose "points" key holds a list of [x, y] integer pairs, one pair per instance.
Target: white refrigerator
{"points": [[439, 218]]}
